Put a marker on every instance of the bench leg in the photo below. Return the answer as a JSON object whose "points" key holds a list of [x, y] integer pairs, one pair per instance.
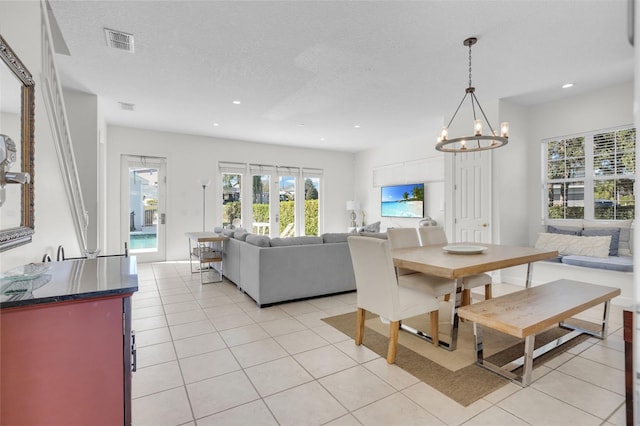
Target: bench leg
{"points": [[527, 370], [604, 326]]}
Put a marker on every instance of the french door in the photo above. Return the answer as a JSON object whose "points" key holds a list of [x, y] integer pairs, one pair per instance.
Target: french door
{"points": [[143, 218]]}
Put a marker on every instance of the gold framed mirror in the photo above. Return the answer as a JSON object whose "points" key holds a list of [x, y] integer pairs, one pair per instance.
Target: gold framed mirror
{"points": [[17, 110]]}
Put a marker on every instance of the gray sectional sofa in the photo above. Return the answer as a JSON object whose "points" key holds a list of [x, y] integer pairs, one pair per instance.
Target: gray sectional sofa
{"points": [[274, 270]]}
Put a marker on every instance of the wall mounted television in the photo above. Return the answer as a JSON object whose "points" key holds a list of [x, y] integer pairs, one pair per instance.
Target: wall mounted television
{"points": [[402, 200]]}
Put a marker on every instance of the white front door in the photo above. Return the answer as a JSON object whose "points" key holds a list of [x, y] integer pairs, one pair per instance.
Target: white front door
{"points": [[472, 186], [143, 181]]}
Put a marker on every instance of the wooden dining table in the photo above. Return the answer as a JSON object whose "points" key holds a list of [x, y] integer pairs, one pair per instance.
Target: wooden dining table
{"points": [[443, 260]]}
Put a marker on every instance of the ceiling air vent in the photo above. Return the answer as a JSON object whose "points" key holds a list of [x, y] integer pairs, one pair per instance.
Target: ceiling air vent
{"points": [[119, 40], [126, 106]]}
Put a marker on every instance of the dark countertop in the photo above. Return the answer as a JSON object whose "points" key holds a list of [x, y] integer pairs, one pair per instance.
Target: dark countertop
{"points": [[73, 280]]}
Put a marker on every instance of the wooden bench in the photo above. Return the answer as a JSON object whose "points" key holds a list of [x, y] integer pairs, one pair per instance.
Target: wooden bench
{"points": [[525, 313]]}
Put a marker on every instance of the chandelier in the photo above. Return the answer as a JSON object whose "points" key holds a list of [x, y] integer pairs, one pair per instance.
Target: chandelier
{"points": [[477, 142]]}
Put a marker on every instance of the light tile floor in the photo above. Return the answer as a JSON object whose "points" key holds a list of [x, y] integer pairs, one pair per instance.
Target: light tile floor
{"points": [[207, 355]]}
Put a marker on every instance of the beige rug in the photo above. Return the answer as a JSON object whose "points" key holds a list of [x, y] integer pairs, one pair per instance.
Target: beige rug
{"points": [[452, 373]]}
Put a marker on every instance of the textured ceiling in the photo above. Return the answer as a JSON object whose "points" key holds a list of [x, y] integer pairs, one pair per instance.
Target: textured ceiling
{"points": [[307, 72]]}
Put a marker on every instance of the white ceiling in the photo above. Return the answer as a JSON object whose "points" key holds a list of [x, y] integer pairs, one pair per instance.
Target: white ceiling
{"points": [[307, 70]]}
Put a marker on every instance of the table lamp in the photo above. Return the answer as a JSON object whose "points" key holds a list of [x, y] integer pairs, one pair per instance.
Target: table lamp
{"points": [[353, 206]]}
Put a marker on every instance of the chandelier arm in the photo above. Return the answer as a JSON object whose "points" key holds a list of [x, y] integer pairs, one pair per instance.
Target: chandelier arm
{"points": [[473, 106], [457, 109], [473, 96]]}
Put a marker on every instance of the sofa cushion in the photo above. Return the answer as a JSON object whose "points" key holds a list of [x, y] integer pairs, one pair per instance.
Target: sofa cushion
{"points": [[612, 263], [599, 232], [566, 230], [295, 241], [340, 237], [573, 244], [228, 232], [624, 247], [258, 240], [240, 234], [382, 235]]}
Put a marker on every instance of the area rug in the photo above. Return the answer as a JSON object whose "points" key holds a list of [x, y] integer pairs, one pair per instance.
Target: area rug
{"points": [[465, 382]]}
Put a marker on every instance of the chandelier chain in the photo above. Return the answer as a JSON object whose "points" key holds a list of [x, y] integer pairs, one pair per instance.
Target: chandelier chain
{"points": [[470, 85]]}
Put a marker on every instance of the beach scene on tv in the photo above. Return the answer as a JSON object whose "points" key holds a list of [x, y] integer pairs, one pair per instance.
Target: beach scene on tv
{"points": [[403, 200]]}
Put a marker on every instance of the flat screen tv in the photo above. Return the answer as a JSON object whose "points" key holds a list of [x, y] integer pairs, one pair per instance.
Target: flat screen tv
{"points": [[403, 200]]}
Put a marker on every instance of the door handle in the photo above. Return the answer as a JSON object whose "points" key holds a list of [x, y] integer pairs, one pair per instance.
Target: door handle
{"points": [[163, 218], [485, 225]]}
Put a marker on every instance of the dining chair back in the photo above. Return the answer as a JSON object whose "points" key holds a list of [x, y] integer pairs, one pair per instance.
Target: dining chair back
{"points": [[432, 235], [378, 291], [403, 238], [435, 235]]}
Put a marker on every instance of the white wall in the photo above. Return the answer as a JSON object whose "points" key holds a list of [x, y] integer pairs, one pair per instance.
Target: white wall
{"points": [[191, 158], [20, 26], [396, 154], [510, 169], [82, 114], [609, 107]]}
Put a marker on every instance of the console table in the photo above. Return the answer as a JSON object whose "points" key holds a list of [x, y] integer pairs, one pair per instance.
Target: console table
{"points": [[205, 248], [66, 344]]}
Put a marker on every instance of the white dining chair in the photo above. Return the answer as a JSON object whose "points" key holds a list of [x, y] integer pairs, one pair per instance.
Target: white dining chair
{"points": [[435, 235], [378, 292], [437, 286]]}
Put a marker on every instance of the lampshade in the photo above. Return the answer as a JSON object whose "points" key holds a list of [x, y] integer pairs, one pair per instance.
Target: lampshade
{"points": [[353, 205]]}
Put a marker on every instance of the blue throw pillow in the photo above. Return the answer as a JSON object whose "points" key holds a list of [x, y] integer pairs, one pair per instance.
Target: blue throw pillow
{"points": [[603, 232], [565, 231]]}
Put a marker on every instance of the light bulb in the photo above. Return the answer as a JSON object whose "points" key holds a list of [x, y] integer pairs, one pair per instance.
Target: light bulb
{"points": [[445, 133], [504, 129], [477, 127], [463, 144]]}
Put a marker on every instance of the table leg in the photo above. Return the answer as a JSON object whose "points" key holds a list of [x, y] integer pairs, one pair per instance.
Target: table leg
{"points": [[529, 275], [454, 314]]}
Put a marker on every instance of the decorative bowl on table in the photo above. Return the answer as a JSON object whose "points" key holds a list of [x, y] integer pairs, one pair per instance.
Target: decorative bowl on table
{"points": [[26, 272]]}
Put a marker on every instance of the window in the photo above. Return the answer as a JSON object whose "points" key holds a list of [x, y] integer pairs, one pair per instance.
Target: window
{"points": [[312, 179], [278, 200], [231, 175], [591, 176]]}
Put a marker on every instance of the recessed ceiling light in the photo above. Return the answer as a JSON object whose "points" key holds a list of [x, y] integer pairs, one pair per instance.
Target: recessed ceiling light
{"points": [[322, 139], [567, 85], [236, 102], [357, 126], [216, 124], [301, 125]]}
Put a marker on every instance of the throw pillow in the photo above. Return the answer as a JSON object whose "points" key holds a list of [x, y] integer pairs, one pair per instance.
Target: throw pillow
{"points": [[228, 232], [599, 232], [574, 244], [566, 231], [258, 240], [240, 234], [372, 227], [624, 247]]}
